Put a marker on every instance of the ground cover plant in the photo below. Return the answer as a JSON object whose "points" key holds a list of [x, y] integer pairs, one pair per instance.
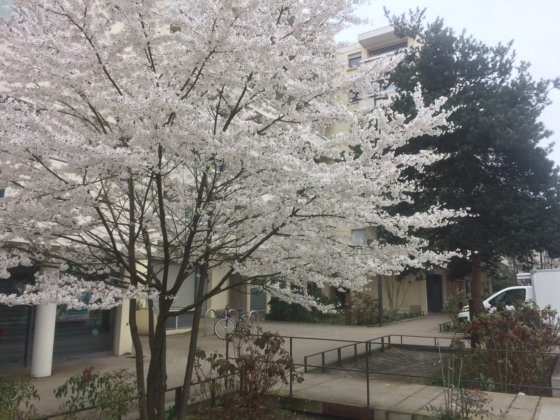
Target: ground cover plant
{"points": [[17, 398], [90, 394]]}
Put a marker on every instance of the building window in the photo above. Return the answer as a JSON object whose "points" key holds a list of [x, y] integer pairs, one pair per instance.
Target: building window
{"points": [[2, 192], [354, 60], [388, 50]]}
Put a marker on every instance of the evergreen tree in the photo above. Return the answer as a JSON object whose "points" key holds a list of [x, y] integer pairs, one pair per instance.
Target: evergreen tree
{"points": [[495, 165]]}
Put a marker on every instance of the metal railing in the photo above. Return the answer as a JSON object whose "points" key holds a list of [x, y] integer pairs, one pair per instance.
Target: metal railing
{"points": [[321, 362], [378, 343], [333, 359]]}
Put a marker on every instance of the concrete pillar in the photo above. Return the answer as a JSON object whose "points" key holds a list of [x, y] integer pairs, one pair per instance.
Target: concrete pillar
{"points": [[43, 340], [122, 343]]}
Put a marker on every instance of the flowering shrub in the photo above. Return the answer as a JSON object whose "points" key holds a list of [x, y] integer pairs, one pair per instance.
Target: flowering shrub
{"points": [[513, 345], [109, 394]]}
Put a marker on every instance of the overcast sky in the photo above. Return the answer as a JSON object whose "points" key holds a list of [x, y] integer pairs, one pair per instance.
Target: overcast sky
{"points": [[533, 25]]}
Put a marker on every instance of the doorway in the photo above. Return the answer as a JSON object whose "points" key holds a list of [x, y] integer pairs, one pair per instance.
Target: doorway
{"points": [[434, 291]]}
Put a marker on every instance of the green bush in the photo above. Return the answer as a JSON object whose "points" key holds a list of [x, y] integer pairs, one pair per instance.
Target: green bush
{"points": [[293, 312], [455, 304], [110, 394], [513, 345], [15, 393], [370, 315]]}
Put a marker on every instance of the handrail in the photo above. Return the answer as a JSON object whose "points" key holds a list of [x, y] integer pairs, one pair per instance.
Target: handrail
{"points": [[382, 341]]}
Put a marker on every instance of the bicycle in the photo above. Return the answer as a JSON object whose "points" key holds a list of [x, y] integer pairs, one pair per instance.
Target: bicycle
{"points": [[228, 324]]}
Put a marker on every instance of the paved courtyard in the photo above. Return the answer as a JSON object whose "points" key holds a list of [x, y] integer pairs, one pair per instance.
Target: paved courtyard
{"points": [[177, 346], [385, 394]]}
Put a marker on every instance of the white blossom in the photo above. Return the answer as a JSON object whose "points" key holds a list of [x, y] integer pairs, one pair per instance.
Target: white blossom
{"points": [[193, 133]]}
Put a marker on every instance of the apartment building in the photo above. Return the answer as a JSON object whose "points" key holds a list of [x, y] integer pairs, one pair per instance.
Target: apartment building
{"points": [[373, 45], [418, 292]]}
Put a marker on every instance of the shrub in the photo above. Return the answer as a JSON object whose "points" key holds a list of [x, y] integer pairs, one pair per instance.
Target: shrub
{"points": [[513, 345], [366, 312], [15, 392], [293, 312], [455, 304], [259, 364], [108, 394]]}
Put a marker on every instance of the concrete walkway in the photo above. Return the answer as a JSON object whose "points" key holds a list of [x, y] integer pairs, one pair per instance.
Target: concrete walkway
{"points": [[387, 396], [404, 401], [391, 399]]}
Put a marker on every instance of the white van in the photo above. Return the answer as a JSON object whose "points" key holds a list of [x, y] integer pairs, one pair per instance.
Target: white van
{"points": [[544, 290], [504, 298]]}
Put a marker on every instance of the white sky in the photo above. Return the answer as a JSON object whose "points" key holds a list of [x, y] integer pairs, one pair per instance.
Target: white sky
{"points": [[533, 25]]}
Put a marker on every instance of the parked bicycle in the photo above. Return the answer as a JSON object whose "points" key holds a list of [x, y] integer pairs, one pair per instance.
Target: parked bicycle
{"points": [[228, 324]]}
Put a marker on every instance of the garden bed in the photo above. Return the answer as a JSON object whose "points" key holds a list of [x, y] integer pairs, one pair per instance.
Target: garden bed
{"points": [[429, 366]]}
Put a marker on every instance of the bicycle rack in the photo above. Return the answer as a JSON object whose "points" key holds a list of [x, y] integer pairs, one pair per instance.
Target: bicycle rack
{"points": [[234, 313], [206, 317], [256, 313]]}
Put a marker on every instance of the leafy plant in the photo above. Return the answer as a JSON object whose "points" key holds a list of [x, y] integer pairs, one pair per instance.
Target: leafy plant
{"points": [[487, 384], [240, 384], [365, 308], [294, 312], [283, 311], [459, 403], [455, 304], [108, 395], [513, 345], [15, 392]]}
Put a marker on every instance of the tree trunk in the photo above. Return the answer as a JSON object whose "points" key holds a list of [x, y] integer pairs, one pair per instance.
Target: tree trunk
{"points": [[476, 285], [187, 381], [139, 360], [476, 306], [157, 370], [348, 308]]}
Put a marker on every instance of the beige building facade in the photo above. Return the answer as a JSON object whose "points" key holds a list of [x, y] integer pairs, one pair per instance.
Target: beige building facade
{"points": [[419, 292]]}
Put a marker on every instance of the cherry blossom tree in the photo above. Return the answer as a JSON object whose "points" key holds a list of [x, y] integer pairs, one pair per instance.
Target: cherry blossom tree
{"points": [[137, 135]]}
